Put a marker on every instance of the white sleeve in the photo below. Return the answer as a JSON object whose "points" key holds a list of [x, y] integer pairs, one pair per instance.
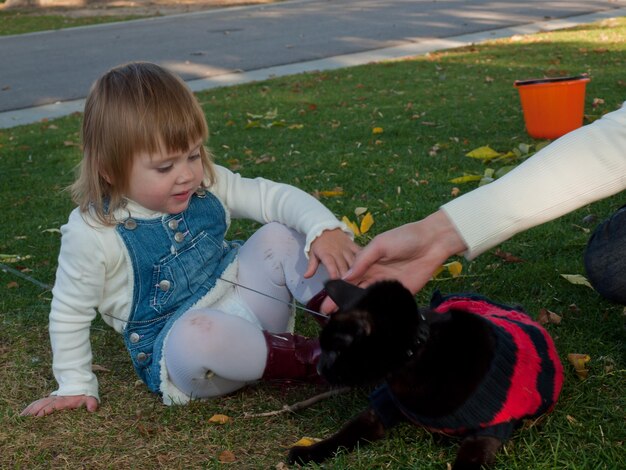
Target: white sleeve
{"points": [[76, 294], [266, 201], [584, 166]]}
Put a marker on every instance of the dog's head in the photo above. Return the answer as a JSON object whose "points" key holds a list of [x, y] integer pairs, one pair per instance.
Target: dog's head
{"points": [[371, 333]]}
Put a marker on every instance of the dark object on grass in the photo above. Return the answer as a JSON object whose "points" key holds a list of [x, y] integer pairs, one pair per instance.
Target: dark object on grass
{"points": [[466, 367]]}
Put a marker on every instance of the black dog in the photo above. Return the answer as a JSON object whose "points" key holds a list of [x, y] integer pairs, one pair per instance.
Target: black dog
{"points": [[467, 367]]}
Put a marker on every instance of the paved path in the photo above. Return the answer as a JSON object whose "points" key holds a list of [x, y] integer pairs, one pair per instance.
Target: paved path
{"points": [[48, 74]]}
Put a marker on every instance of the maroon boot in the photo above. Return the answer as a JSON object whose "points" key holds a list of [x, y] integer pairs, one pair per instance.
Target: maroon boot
{"points": [[315, 304], [291, 356]]}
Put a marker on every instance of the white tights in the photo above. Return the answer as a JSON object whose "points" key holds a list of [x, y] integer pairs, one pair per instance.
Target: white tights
{"points": [[209, 352]]}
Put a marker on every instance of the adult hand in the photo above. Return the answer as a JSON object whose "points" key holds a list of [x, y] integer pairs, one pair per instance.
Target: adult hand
{"points": [[410, 254], [335, 250], [47, 405]]}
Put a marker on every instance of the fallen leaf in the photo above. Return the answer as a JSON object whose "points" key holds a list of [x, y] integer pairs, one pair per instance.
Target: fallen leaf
{"points": [[466, 179], [98, 368], [377, 130], [148, 430], [546, 316], [226, 456], [366, 223], [455, 192], [6, 258], [332, 193], [577, 279], [351, 225], [507, 257], [264, 159], [579, 361], [12, 285], [454, 268], [438, 271], [433, 150], [359, 211], [483, 153], [306, 441], [219, 419]]}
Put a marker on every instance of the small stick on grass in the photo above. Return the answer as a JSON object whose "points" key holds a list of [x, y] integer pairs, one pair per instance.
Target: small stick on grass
{"points": [[301, 404]]}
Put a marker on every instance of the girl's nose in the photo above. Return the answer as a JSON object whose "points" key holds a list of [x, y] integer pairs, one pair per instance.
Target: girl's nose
{"points": [[185, 174]]}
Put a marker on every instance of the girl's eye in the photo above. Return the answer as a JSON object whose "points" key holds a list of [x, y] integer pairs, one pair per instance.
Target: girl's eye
{"points": [[195, 156], [164, 169]]}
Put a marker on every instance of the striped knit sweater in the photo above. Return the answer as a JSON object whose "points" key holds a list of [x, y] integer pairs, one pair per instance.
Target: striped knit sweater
{"points": [[524, 378]]}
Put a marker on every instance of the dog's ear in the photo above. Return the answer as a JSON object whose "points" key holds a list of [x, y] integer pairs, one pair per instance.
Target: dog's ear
{"points": [[344, 294]]}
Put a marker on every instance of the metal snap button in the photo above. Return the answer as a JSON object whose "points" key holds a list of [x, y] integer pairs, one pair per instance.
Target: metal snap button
{"points": [[173, 224], [201, 192], [134, 337], [179, 236], [130, 224], [142, 356], [165, 285]]}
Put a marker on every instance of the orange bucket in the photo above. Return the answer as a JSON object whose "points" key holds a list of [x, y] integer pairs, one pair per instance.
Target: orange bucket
{"points": [[552, 106]]}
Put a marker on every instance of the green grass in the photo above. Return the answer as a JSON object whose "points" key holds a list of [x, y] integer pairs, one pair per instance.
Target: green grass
{"points": [[457, 100], [29, 21]]}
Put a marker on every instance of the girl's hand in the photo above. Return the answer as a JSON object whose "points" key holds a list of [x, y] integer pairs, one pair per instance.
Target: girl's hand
{"points": [[410, 254], [47, 405], [335, 250]]}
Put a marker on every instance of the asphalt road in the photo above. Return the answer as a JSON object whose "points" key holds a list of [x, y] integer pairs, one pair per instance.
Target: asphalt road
{"points": [[51, 69]]}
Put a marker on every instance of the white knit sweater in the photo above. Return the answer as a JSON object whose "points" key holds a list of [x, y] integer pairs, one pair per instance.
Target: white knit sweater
{"points": [[579, 168], [94, 274]]}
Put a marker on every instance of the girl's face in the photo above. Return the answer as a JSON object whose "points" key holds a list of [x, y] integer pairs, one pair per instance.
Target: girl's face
{"points": [[166, 182]]}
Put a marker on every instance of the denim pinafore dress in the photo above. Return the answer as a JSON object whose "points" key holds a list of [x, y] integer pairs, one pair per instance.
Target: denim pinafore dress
{"points": [[176, 261]]}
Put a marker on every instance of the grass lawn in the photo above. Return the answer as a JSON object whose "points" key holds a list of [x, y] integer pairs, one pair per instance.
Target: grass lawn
{"points": [[390, 136], [23, 21]]}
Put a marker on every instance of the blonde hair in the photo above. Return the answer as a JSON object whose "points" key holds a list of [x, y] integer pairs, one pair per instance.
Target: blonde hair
{"points": [[133, 108]]}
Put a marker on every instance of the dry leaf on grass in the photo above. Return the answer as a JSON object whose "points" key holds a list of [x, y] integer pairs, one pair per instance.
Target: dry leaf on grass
{"points": [[508, 257], [332, 192], [219, 419], [366, 223], [306, 441], [226, 456], [546, 316], [454, 268], [577, 279], [579, 361]]}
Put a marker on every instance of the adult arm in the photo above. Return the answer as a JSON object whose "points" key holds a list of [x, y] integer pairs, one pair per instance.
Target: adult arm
{"points": [[581, 167]]}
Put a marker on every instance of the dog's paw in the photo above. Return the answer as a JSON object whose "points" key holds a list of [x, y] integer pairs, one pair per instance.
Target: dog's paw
{"points": [[302, 455]]}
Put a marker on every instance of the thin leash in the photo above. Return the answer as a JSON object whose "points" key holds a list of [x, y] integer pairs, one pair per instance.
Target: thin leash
{"points": [[313, 312], [42, 285], [8, 269]]}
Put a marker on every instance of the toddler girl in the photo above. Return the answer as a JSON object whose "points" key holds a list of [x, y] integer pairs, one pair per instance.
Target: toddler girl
{"points": [[145, 248]]}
